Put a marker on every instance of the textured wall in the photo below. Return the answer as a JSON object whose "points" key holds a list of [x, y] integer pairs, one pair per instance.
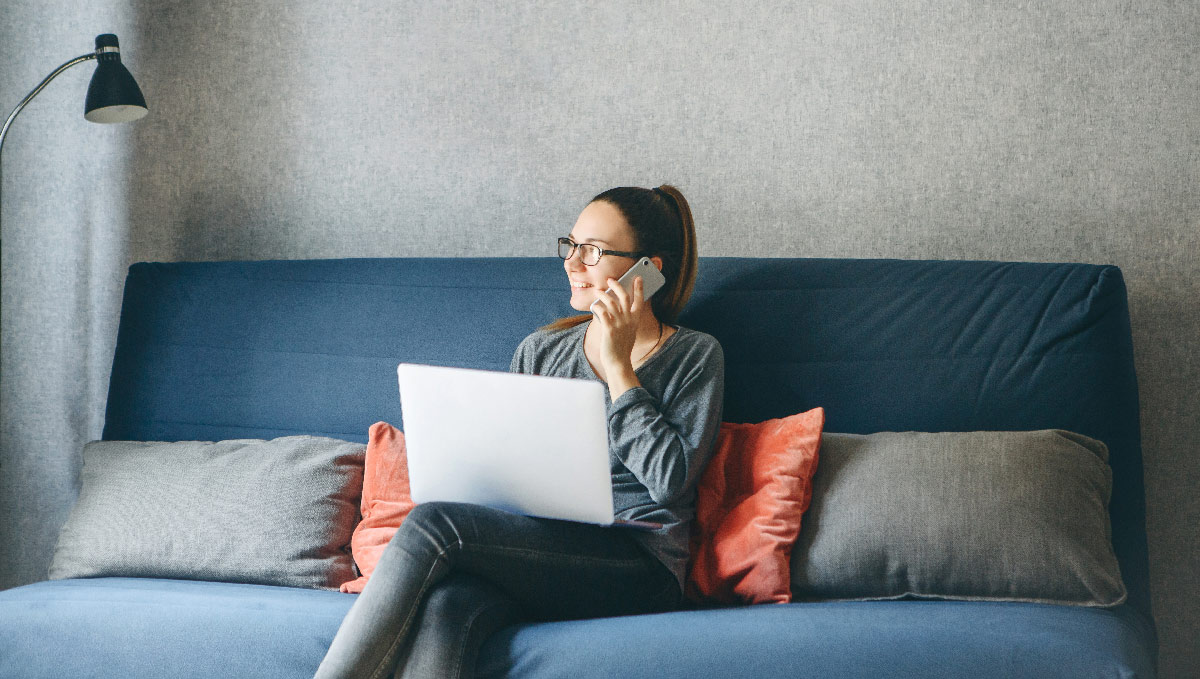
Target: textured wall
{"points": [[65, 223], [932, 129]]}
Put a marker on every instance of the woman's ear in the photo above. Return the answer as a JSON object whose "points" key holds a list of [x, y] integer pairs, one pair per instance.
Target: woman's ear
{"points": [[658, 262]]}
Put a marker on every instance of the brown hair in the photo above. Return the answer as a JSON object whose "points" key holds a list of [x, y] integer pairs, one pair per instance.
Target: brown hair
{"points": [[662, 226]]}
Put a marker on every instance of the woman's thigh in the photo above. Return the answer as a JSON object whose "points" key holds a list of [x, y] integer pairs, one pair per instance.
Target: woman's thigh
{"points": [[552, 569]]}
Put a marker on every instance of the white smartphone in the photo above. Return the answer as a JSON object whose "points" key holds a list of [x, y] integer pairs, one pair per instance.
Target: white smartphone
{"points": [[652, 278]]}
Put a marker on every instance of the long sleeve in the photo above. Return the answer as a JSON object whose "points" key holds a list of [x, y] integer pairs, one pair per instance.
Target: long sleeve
{"points": [[666, 445], [517, 365]]}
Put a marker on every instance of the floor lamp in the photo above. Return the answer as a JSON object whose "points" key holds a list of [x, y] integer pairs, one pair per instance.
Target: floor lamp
{"points": [[112, 97]]}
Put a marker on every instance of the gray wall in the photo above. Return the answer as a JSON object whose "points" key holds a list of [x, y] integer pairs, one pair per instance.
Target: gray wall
{"points": [[1057, 131]]}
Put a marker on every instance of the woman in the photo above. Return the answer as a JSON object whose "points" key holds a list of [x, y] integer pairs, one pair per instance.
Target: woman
{"points": [[454, 573]]}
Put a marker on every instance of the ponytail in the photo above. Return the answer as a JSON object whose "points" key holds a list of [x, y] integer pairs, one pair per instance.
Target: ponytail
{"points": [[668, 307]]}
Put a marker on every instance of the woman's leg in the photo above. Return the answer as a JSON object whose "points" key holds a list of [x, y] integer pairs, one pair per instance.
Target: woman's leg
{"points": [[553, 569], [459, 614]]}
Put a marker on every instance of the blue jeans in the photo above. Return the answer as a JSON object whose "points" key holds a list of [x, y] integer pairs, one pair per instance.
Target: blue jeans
{"points": [[454, 573]]}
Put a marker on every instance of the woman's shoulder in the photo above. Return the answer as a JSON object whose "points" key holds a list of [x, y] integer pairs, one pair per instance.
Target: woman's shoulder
{"points": [[696, 337], [542, 338], [698, 342]]}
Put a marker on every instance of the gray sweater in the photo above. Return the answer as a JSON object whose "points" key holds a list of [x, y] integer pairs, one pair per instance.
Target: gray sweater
{"points": [[660, 435]]}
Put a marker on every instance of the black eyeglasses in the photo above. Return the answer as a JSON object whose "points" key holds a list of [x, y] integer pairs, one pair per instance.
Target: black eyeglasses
{"points": [[589, 254]]}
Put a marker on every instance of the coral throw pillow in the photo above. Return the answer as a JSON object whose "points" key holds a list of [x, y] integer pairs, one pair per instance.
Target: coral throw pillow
{"points": [[386, 500], [748, 510]]}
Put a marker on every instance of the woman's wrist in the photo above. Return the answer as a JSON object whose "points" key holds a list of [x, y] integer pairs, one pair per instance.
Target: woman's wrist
{"points": [[621, 378]]}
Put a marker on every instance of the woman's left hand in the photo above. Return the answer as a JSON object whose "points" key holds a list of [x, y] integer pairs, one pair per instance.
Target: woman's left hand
{"points": [[616, 316]]}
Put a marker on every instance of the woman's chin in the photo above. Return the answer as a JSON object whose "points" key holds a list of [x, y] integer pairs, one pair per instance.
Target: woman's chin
{"points": [[581, 301]]}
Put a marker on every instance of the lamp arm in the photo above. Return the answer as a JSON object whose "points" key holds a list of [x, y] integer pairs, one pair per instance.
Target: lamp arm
{"points": [[29, 97], [12, 116]]}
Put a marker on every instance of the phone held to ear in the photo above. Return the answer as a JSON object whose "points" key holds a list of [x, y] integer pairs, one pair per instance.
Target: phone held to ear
{"points": [[652, 278]]}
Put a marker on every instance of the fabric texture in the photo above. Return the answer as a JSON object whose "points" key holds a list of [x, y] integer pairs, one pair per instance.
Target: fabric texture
{"points": [[660, 435], [1013, 516], [749, 507], [386, 500], [275, 512]]}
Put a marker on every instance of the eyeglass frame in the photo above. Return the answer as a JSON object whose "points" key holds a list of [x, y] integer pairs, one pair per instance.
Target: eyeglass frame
{"points": [[575, 246]]}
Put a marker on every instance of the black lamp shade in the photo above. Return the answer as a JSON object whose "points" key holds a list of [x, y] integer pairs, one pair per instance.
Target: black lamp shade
{"points": [[113, 95]]}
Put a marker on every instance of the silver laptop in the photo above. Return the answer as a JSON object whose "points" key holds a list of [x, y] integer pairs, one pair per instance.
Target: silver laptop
{"points": [[528, 444]]}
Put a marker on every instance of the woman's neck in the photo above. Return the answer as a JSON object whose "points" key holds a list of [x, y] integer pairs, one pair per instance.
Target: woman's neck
{"points": [[649, 332]]}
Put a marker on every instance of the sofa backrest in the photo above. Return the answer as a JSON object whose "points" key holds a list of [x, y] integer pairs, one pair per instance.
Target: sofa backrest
{"points": [[222, 350]]}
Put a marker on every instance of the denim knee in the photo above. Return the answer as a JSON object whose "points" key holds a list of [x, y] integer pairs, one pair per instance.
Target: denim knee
{"points": [[430, 527], [461, 598], [457, 616]]}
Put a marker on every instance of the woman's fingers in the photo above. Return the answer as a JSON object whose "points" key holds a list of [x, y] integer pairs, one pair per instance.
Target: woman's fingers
{"points": [[626, 299], [601, 303], [617, 291], [617, 302]]}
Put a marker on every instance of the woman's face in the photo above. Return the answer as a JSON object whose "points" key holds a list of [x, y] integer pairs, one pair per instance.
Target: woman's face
{"points": [[601, 224]]}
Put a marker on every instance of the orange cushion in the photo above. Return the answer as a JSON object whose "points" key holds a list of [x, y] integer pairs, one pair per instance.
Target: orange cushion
{"points": [[386, 500], [748, 510]]}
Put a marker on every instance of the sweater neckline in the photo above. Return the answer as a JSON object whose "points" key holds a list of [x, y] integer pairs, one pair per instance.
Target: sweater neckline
{"points": [[581, 356]]}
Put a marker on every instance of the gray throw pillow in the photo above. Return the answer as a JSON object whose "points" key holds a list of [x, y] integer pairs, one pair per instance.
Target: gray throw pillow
{"points": [[1013, 516], [277, 512]]}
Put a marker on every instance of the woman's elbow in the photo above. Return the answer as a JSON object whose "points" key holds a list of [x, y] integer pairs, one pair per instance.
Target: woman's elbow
{"points": [[672, 488]]}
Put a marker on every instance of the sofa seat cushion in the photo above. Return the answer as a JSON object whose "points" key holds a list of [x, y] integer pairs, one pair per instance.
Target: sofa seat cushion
{"points": [[136, 628], [896, 639], [141, 628]]}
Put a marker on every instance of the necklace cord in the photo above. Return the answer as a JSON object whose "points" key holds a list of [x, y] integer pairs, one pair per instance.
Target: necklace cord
{"points": [[660, 330]]}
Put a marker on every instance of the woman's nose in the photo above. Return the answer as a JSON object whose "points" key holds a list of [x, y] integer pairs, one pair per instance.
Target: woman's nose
{"points": [[574, 262]]}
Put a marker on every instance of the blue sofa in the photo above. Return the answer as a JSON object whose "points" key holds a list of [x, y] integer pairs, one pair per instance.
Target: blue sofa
{"points": [[223, 350]]}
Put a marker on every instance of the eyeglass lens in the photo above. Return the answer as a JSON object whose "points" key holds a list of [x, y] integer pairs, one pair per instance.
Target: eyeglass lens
{"points": [[588, 253]]}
